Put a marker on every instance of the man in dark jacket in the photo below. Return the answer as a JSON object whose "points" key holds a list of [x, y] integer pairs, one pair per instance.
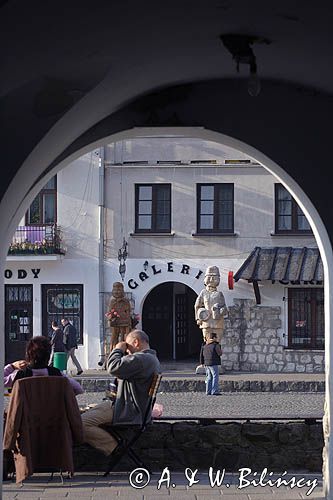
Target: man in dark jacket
{"points": [[134, 364], [70, 341], [210, 357]]}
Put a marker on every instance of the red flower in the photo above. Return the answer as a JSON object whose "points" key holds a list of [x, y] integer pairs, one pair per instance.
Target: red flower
{"points": [[112, 314]]}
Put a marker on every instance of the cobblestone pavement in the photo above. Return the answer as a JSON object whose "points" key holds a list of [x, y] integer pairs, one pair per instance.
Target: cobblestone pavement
{"points": [[94, 487], [252, 404]]}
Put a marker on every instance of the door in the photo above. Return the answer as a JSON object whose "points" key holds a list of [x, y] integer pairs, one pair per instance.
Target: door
{"points": [[18, 320], [168, 319], [157, 319], [181, 326]]}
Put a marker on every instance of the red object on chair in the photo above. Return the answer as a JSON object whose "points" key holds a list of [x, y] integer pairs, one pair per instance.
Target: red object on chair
{"points": [[231, 280]]}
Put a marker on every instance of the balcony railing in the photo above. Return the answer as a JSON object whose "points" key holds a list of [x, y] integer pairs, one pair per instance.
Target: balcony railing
{"points": [[36, 240]]}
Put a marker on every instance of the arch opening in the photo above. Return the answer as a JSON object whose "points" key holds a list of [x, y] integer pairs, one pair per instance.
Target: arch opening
{"points": [[167, 316], [14, 211]]}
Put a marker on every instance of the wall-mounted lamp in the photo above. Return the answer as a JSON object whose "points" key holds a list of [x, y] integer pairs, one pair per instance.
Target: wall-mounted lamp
{"points": [[122, 256], [145, 265]]}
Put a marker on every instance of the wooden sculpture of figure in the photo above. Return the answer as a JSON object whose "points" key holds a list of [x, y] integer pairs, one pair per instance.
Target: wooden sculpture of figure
{"points": [[210, 307], [119, 314]]}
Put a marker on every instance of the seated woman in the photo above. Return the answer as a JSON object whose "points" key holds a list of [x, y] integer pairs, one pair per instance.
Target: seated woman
{"points": [[10, 371], [38, 353]]}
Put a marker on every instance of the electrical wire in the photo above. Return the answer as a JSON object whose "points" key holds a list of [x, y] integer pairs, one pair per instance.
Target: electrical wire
{"points": [[85, 195]]}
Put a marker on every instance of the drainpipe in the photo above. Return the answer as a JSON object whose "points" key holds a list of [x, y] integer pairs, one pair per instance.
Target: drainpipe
{"points": [[101, 214]]}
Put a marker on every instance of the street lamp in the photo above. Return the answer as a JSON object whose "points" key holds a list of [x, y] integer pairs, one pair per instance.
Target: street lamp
{"points": [[239, 45]]}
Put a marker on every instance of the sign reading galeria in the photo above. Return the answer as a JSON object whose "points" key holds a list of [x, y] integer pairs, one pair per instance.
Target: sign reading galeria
{"points": [[21, 274], [160, 269]]}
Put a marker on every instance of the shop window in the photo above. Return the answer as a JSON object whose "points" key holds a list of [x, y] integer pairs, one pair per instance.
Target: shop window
{"points": [[43, 209], [215, 208], [153, 208], [306, 318], [63, 301], [289, 218]]}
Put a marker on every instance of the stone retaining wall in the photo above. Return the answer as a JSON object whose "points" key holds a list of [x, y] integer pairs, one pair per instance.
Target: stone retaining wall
{"points": [[251, 342], [291, 446], [197, 385]]}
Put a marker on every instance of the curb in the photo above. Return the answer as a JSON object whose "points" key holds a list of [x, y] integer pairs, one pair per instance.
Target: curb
{"points": [[192, 385]]}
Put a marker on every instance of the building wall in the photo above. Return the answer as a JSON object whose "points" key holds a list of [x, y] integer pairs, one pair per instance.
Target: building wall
{"points": [[261, 344], [77, 216], [254, 341], [253, 212], [70, 271]]}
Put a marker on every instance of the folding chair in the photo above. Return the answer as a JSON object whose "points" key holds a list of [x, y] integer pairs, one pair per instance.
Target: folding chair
{"points": [[124, 445]]}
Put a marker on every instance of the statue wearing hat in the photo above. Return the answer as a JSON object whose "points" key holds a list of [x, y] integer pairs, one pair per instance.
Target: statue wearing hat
{"points": [[119, 314], [210, 307]]}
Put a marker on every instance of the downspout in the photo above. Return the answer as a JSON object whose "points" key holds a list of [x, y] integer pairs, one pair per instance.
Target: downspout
{"points": [[101, 214]]}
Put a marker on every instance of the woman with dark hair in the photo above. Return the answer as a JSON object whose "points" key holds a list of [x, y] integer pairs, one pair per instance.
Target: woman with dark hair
{"points": [[37, 357], [38, 353], [57, 344]]}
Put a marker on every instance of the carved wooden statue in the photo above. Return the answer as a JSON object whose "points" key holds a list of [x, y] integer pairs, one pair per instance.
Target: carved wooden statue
{"points": [[119, 315], [210, 307]]}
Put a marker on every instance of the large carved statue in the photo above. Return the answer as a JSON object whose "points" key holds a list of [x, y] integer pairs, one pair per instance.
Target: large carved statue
{"points": [[119, 314], [210, 307]]}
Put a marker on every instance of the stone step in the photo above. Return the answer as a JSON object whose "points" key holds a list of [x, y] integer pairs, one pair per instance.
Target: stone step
{"points": [[197, 384]]}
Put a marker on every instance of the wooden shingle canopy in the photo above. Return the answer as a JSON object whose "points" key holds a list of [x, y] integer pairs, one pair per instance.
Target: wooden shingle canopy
{"points": [[286, 265]]}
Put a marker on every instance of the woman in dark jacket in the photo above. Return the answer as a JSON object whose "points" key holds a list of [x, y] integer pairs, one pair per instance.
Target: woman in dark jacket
{"points": [[57, 343]]}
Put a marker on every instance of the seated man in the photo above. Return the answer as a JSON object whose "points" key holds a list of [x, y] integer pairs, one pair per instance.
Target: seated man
{"points": [[134, 373]]}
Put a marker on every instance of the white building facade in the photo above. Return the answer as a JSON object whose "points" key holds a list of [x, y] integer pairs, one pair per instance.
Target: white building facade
{"points": [[179, 205]]}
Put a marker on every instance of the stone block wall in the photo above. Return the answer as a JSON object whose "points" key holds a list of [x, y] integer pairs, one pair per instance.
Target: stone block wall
{"points": [[251, 342], [289, 446]]}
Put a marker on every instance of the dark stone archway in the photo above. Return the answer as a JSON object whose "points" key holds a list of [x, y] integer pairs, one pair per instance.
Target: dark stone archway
{"points": [[168, 319]]}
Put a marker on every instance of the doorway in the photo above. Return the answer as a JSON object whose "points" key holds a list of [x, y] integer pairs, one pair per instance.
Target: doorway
{"points": [[168, 319], [18, 320]]}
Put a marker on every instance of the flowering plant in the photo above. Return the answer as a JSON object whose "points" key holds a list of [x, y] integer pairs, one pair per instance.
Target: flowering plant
{"points": [[29, 247], [113, 316]]}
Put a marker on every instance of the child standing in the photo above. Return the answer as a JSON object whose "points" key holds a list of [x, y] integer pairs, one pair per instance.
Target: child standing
{"points": [[210, 357]]}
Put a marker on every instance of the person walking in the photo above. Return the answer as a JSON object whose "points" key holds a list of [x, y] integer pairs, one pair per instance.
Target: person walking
{"points": [[57, 341], [70, 341], [210, 358]]}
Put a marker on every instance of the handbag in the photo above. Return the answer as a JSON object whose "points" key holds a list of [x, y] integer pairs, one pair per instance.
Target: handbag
{"points": [[126, 409]]}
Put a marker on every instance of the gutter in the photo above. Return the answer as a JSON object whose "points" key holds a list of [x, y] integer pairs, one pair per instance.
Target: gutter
{"points": [[101, 214]]}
